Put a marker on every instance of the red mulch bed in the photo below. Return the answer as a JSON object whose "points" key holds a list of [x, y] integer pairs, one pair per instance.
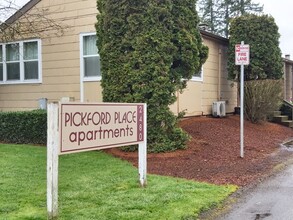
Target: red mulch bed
{"points": [[213, 154]]}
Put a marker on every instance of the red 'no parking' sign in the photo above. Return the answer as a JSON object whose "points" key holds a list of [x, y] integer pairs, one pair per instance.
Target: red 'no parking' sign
{"points": [[242, 54]]}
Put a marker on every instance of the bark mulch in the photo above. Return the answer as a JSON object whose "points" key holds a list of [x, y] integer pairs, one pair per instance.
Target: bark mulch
{"points": [[213, 153]]}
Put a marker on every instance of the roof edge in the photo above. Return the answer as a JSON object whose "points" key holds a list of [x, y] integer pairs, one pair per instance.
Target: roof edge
{"points": [[214, 36], [287, 60], [29, 5]]}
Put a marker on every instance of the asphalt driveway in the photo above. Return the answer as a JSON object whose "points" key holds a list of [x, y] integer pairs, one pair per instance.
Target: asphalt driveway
{"points": [[272, 199]]}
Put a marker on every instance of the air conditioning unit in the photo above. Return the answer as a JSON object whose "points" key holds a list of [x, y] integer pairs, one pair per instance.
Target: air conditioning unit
{"points": [[219, 109]]}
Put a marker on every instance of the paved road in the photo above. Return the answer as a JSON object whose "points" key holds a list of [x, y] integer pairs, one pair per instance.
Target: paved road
{"points": [[273, 199]]}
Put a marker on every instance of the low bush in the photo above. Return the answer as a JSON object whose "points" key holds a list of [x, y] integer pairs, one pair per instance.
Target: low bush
{"points": [[24, 127], [261, 98]]}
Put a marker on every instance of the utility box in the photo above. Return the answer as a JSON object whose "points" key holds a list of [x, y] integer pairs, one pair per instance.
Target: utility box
{"points": [[219, 109], [43, 103]]}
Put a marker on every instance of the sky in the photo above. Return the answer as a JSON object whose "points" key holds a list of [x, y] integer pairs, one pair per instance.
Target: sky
{"points": [[281, 10]]}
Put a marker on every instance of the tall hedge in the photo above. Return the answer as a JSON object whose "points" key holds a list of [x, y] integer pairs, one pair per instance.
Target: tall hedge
{"points": [[147, 47], [261, 33]]}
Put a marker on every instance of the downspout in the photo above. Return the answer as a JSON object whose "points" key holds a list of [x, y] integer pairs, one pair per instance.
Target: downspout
{"points": [[284, 83], [178, 106], [219, 74], [291, 83]]}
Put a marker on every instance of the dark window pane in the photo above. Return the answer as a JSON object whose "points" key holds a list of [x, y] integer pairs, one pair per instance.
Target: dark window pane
{"points": [[30, 50], [92, 66], [13, 71], [31, 70], [199, 74], [12, 52], [1, 54], [1, 72]]}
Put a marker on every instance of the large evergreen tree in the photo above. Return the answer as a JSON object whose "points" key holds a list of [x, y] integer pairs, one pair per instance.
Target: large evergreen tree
{"points": [[209, 14], [147, 47], [261, 33], [218, 14], [242, 7], [262, 87]]}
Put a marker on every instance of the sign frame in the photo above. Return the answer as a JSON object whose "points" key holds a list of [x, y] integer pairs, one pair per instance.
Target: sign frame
{"points": [[139, 117], [53, 152], [242, 53]]}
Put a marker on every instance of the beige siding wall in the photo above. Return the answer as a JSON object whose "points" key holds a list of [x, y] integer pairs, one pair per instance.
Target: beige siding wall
{"points": [[93, 92], [198, 97], [60, 59], [61, 67]]}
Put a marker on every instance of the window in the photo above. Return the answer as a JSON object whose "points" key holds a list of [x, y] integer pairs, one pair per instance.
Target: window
{"points": [[198, 76], [20, 62], [30, 60], [12, 61], [90, 58]]}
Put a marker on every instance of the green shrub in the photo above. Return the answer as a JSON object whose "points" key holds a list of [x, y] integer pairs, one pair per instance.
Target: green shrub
{"points": [[261, 98], [147, 48], [261, 33], [24, 127]]}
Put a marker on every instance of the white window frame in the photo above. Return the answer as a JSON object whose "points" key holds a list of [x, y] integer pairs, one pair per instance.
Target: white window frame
{"points": [[21, 61], [82, 74], [198, 78], [2, 62]]}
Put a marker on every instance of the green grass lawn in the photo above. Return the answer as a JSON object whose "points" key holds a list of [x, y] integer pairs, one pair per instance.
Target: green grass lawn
{"points": [[94, 185]]}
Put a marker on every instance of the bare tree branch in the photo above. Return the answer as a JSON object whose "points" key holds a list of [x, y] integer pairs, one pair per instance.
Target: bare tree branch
{"points": [[25, 23]]}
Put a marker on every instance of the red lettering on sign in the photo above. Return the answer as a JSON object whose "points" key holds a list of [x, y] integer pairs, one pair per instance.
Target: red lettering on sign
{"points": [[127, 117]]}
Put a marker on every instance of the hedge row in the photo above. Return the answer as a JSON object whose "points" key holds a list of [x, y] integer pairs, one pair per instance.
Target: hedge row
{"points": [[28, 127]]}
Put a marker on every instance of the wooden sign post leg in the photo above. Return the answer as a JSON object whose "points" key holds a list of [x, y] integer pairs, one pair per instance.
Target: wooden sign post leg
{"points": [[52, 161], [142, 154], [142, 167]]}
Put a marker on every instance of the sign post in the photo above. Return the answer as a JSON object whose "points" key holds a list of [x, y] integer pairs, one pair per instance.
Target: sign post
{"points": [[242, 58], [78, 127], [52, 161], [142, 150]]}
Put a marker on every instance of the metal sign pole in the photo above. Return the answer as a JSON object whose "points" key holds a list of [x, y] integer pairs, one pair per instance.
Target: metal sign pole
{"points": [[242, 109], [242, 58]]}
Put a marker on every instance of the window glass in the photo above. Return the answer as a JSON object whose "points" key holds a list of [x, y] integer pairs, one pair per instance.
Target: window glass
{"points": [[92, 66], [21, 64], [12, 52], [91, 58], [1, 54], [13, 71], [89, 45], [198, 74], [31, 70], [30, 50], [1, 72]]}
